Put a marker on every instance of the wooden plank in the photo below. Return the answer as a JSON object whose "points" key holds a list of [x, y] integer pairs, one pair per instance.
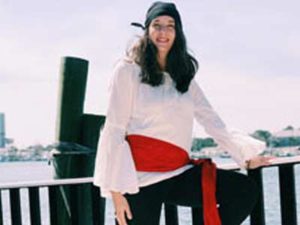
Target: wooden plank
{"points": [[34, 206]]}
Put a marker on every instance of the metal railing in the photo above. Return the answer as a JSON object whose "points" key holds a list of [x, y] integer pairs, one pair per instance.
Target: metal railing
{"points": [[287, 196], [53, 189]]}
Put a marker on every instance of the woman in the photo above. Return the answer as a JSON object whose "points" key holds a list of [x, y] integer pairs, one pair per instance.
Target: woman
{"points": [[142, 160]]}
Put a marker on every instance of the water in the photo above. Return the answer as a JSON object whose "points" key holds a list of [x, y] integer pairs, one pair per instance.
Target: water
{"points": [[25, 171]]}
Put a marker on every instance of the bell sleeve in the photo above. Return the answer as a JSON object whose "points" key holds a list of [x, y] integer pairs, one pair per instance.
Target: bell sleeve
{"points": [[240, 146], [114, 165]]}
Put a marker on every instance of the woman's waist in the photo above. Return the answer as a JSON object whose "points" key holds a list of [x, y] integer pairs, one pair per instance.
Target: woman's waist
{"points": [[148, 178], [180, 139], [156, 155]]}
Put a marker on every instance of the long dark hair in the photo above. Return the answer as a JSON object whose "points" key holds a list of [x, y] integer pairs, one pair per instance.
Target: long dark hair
{"points": [[181, 65]]}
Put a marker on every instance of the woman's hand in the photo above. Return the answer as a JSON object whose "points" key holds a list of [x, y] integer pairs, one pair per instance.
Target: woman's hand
{"points": [[259, 161], [122, 209]]}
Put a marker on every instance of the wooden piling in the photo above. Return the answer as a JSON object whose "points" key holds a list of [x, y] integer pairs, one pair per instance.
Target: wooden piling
{"points": [[73, 127]]}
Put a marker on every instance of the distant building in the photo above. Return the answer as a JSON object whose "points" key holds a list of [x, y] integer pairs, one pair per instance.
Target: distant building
{"points": [[2, 131], [286, 138], [286, 133]]}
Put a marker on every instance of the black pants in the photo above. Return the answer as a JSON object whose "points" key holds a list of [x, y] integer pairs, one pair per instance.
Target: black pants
{"points": [[236, 196]]}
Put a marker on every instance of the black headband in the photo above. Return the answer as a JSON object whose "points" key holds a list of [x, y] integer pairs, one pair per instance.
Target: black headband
{"points": [[160, 9]]}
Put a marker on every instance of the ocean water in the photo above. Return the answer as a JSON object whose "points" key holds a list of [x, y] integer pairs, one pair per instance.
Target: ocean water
{"points": [[26, 171]]}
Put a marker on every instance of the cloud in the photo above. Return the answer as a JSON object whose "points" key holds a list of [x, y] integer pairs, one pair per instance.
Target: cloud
{"points": [[248, 53], [30, 111], [246, 34], [250, 102], [31, 49], [293, 46]]}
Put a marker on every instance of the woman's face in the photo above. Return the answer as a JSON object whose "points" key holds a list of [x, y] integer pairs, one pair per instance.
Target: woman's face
{"points": [[162, 33]]}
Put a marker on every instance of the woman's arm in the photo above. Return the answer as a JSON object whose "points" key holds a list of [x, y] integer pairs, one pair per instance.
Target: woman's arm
{"points": [[258, 161], [241, 147], [122, 209], [114, 166]]}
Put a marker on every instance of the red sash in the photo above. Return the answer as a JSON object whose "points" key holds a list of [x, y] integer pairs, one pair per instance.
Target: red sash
{"points": [[154, 155]]}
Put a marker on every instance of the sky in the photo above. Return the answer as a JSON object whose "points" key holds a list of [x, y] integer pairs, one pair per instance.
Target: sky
{"points": [[249, 53]]}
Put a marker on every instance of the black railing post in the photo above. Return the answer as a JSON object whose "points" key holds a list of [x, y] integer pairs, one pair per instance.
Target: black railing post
{"points": [[197, 216], [171, 214], [74, 212], [258, 214], [1, 214], [98, 206], [287, 195], [53, 193], [34, 206], [15, 206]]}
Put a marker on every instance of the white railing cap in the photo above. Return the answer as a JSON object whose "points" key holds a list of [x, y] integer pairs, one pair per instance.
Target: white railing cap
{"points": [[54, 182]]}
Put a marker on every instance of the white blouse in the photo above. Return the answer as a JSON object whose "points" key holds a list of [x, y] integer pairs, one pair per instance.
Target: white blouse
{"points": [[160, 112]]}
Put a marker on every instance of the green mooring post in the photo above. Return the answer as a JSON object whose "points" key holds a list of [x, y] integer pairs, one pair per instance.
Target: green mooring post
{"points": [[69, 160], [72, 86]]}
